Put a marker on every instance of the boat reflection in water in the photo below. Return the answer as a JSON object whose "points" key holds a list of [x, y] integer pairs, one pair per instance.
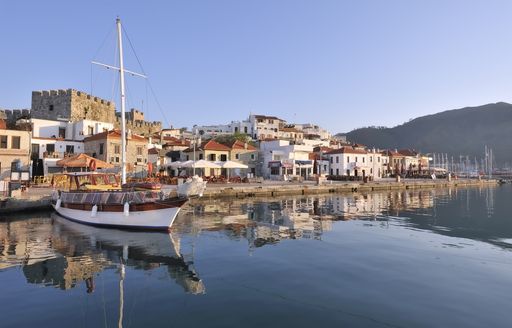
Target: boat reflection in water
{"points": [[80, 252]]}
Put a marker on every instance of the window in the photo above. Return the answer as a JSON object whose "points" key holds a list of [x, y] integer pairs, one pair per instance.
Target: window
{"points": [[371, 159], [223, 158], [117, 159], [62, 133], [252, 156], [245, 129], [90, 130], [348, 159], [35, 151], [139, 150], [331, 160], [356, 159], [237, 156], [51, 108], [363, 159], [117, 149], [337, 159], [70, 149], [50, 148], [378, 159], [15, 142], [101, 148], [274, 170], [200, 156], [3, 142], [337, 171], [331, 172]]}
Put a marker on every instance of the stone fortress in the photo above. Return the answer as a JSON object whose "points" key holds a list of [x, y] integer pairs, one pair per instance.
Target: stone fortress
{"points": [[73, 105]]}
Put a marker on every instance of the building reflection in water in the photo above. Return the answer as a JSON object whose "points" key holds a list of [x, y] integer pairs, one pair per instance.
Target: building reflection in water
{"points": [[56, 252], [267, 221]]}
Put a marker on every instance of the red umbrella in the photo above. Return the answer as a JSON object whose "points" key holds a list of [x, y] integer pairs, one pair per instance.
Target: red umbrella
{"points": [[150, 168]]}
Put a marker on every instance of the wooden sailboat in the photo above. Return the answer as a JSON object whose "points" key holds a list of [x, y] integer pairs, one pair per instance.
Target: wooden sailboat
{"points": [[122, 208]]}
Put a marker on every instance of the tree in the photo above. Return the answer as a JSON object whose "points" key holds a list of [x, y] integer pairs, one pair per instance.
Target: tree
{"points": [[229, 139]]}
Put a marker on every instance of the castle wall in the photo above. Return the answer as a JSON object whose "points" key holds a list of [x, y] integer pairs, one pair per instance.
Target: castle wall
{"points": [[72, 105]]}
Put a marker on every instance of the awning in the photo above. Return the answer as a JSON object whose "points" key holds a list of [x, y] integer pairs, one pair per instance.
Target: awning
{"points": [[274, 164], [302, 162]]}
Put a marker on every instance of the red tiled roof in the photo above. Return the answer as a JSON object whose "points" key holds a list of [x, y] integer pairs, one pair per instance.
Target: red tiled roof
{"points": [[291, 130], [408, 152], [210, 145], [267, 117], [113, 134], [241, 145], [347, 150], [322, 149], [390, 153], [153, 151]]}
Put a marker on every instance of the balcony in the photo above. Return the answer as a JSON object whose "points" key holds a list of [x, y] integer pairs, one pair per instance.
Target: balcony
{"points": [[57, 154]]}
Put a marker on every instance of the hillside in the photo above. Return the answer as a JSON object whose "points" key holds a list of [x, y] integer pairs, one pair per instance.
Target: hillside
{"points": [[457, 132]]}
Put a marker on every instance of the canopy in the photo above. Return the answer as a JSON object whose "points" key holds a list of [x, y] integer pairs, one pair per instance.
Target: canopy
{"points": [[82, 160], [232, 165], [176, 164], [202, 164], [185, 164]]}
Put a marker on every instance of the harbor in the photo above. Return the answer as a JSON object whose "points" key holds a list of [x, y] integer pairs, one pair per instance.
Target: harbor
{"points": [[352, 259], [39, 197]]}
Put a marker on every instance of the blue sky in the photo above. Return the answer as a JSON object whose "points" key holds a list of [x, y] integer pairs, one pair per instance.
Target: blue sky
{"points": [[341, 64]]}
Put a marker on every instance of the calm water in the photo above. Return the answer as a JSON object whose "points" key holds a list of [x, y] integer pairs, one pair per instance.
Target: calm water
{"points": [[401, 259]]}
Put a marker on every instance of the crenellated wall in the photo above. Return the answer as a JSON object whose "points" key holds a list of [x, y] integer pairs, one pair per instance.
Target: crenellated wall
{"points": [[72, 105]]}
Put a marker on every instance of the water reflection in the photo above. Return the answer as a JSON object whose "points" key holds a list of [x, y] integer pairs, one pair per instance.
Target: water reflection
{"points": [[267, 221], [56, 252], [366, 259]]}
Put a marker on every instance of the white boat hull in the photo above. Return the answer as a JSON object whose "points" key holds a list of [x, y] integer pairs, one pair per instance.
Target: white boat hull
{"points": [[158, 219]]}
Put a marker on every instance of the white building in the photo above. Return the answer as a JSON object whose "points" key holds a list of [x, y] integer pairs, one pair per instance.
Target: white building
{"points": [[350, 161], [312, 130], [280, 160], [76, 131]]}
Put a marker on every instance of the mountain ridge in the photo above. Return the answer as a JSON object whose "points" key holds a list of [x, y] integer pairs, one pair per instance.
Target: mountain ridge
{"points": [[463, 131]]}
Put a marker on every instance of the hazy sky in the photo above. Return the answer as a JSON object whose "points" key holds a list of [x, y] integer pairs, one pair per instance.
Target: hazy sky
{"points": [[341, 64]]}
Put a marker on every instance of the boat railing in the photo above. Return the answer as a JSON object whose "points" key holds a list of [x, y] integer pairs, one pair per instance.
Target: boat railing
{"points": [[114, 197]]}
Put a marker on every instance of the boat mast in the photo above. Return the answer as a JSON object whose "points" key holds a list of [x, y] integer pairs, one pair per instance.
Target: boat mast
{"points": [[123, 102]]}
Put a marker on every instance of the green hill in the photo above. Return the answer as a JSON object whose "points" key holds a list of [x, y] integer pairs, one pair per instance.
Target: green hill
{"points": [[463, 131]]}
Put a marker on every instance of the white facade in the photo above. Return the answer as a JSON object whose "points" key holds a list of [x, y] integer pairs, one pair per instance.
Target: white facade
{"points": [[212, 130], [280, 160], [55, 148], [349, 162], [313, 129], [68, 130]]}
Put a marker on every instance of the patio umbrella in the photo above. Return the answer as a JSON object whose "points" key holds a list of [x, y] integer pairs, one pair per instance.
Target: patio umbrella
{"points": [[232, 165], [176, 164], [83, 161], [201, 164]]}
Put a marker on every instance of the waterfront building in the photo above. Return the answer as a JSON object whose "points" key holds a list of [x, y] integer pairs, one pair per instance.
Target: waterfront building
{"points": [[106, 146], [14, 150], [351, 161], [291, 133], [209, 150], [282, 160]]}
